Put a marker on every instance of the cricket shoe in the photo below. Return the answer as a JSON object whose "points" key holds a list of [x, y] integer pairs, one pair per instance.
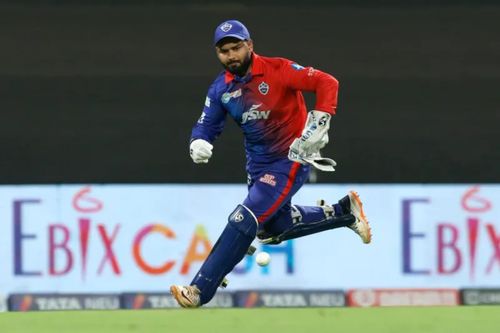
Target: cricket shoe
{"points": [[186, 296], [361, 225]]}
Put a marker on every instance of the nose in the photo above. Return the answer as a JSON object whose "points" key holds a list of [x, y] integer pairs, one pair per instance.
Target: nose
{"points": [[231, 55]]}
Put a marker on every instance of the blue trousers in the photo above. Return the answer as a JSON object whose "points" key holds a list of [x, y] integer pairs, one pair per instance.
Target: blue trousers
{"points": [[270, 193]]}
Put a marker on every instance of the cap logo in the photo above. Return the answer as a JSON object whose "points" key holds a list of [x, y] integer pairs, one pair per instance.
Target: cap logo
{"points": [[226, 27]]}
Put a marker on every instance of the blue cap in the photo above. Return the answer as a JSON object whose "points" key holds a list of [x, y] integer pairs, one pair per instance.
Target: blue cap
{"points": [[231, 28]]}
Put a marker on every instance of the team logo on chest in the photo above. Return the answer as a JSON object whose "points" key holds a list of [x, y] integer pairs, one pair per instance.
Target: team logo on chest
{"points": [[263, 88]]}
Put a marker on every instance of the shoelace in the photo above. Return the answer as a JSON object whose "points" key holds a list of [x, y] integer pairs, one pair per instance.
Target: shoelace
{"points": [[188, 293]]}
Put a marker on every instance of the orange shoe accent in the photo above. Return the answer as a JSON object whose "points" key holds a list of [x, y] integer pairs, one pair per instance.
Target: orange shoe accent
{"points": [[187, 297], [361, 226]]}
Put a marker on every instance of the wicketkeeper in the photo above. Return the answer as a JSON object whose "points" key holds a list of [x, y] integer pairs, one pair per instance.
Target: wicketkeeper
{"points": [[282, 140]]}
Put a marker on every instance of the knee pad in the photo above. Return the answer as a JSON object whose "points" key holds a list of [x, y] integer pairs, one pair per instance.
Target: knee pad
{"points": [[243, 220]]}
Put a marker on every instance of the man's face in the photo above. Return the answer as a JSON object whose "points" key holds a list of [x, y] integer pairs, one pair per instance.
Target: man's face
{"points": [[235, 55]]}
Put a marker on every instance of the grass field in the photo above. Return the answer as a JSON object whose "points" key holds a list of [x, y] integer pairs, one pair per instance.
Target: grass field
{"points": [[311, 320]]}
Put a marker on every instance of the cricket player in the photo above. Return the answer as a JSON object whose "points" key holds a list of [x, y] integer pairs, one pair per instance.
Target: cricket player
{"points": [[282, 140]]}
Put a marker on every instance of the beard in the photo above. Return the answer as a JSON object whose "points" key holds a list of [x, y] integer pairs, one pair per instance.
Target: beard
{"points": [[239, 68]]}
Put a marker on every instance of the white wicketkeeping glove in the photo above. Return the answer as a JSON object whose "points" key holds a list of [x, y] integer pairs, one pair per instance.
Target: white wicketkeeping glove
{"points": [[306, 148], [200, 151]]}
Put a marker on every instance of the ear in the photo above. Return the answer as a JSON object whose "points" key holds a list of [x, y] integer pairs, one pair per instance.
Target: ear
{"points": [[250, 45]]}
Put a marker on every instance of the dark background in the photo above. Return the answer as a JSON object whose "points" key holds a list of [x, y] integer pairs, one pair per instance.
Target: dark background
{"points": [[107, 92]]}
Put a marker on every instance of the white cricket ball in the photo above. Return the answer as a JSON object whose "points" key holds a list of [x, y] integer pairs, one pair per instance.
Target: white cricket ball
{"points": [[263, 259]]}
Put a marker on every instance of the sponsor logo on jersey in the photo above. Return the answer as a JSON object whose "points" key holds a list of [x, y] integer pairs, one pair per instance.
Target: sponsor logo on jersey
{"points": [[263, 88], [254, 114], [226, 97], [297, 67], [202, 118], [226, 27], [268, 179]]}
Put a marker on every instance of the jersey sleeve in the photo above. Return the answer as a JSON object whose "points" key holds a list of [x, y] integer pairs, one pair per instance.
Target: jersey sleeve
{"points": [[310, 79], [212, 119]]}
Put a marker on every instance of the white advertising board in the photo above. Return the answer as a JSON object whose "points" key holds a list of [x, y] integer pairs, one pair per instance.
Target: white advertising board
{"points": [[121, 238]]}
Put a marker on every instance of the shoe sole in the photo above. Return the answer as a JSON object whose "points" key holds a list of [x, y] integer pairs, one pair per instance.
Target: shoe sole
{"points": [[366, 232], [179, 297]]}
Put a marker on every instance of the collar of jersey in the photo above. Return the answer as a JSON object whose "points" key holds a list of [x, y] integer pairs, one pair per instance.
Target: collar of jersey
{"points": [[257, 69]]}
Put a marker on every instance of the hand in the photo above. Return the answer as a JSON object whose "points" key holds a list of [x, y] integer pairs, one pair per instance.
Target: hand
{"points": [[314, 135], [306, 148], [200, 151], [314, 159]]}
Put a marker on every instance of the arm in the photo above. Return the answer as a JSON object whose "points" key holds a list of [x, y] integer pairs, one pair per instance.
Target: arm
{"points": [[306, 148], [207, 128], [309, 79]]}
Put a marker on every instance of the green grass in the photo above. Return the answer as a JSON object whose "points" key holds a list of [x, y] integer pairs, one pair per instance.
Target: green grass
{"points": [[310, 320]]}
